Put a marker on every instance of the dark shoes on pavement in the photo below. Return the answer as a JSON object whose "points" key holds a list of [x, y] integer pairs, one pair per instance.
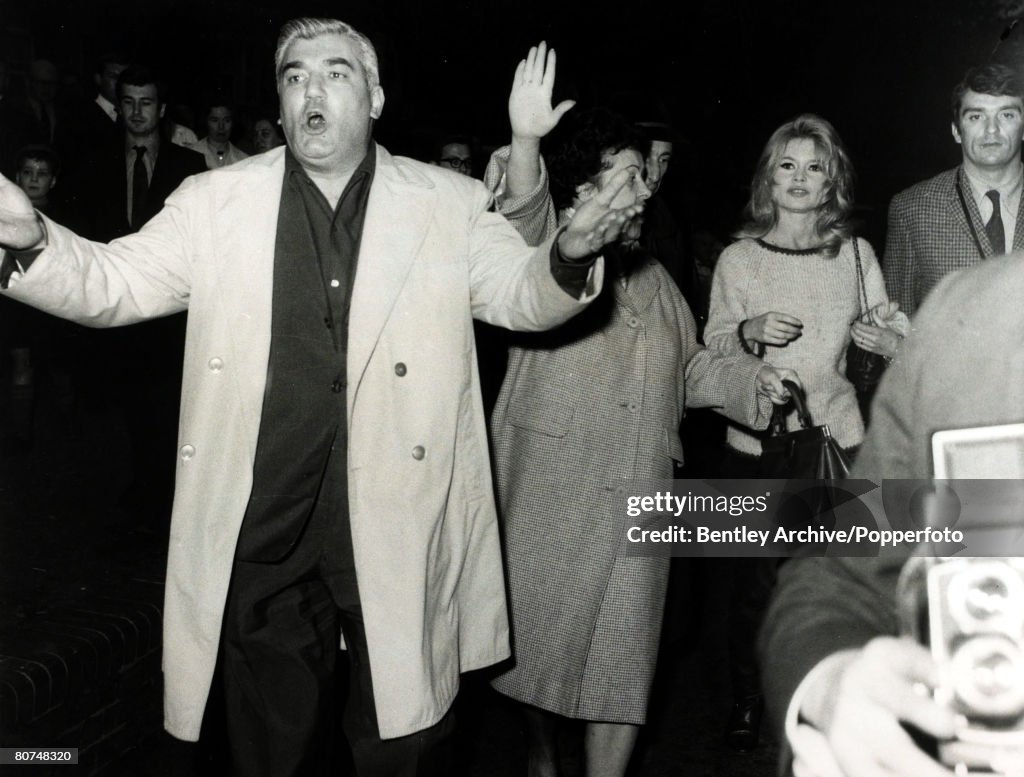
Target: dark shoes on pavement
{"points": [[744, 726]]}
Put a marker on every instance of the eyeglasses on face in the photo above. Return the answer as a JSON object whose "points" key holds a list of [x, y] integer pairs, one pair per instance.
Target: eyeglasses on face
{"points": [[455, 163]]}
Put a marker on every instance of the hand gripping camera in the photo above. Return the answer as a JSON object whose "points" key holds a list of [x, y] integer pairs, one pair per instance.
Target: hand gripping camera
{"points": [[970, 612]]}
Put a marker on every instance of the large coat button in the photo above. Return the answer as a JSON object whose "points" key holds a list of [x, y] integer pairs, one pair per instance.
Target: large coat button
{"points": [[419, 452], [187, 452], [215, 364], [400, 370]]}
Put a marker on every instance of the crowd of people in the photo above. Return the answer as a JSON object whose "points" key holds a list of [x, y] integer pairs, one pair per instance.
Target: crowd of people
{"points": [[337, 475]]}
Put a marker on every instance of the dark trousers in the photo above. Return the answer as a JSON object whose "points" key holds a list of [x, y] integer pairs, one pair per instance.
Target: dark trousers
{"points": [[751, 582], [280, 652]]}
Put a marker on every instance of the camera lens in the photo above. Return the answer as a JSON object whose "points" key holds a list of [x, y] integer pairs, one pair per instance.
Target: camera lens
{"points": [[988, 674], [986, 597]]}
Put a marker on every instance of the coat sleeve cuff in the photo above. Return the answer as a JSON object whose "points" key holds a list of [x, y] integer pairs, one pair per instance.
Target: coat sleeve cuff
{"points": [[16, 263], [572, 276]]}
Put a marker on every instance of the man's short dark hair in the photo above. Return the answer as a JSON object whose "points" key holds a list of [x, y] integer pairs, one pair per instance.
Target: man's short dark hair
{"points": [[579, 147], [659, 130], [38, 152], [994, 79], [218, 100], [141, 75], [450, 140], [109, 58]]}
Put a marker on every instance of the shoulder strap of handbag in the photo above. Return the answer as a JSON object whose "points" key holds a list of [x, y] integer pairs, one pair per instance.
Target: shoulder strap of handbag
{"points": [[861, 288], [967, 215]]}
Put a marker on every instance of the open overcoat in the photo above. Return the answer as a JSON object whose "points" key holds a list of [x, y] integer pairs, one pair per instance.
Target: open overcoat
{"points": [[422, 510]]}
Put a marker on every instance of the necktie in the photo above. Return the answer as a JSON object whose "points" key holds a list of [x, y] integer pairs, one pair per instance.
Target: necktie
{"points": [[140, 184], [994, 227]]}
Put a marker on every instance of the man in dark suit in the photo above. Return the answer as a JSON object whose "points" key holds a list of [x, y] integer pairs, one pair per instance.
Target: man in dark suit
{"points": [[105, 185], [971, 212], [834, 667], [96, 122], [134, 371]]}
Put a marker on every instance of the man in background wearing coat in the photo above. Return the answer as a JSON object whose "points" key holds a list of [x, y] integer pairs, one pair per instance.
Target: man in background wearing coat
{"points": [[971, 212], [332, 470], [835, 671]]}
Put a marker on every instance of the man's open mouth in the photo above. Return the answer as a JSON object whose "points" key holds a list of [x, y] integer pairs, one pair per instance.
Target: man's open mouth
{"points": [[315, 121]]}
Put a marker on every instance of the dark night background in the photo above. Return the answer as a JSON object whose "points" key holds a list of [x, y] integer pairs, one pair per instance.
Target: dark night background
{"points": [[725, 72]]}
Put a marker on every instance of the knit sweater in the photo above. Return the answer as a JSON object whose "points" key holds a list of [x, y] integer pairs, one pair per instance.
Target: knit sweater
{"points": [[754, 277]]}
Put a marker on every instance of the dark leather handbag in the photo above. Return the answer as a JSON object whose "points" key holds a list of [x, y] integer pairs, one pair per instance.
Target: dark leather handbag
{"points": [[810, 453], [863, 368]]}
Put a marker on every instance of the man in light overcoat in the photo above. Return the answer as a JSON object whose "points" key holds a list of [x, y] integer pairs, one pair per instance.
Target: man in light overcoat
{"points": [[332, 473]]}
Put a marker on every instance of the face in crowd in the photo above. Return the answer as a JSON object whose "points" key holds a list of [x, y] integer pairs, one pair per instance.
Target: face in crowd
{"points": [[219, 123], [989, 129], [457, 157], [327, 102], [633, 193], [265, 136], [106, 81], [800, 179], [658, 160], [43, 80], [36, 179], [141, 109]]}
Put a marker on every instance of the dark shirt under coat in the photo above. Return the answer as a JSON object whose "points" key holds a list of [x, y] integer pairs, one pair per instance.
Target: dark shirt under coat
{"points": [[301, 453]]}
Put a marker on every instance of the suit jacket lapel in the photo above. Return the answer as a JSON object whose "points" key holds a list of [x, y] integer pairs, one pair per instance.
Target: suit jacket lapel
{"points": [[1018, 230], [246, 222], [971, 219], [119, 162], [397, 215], [160, 183]]}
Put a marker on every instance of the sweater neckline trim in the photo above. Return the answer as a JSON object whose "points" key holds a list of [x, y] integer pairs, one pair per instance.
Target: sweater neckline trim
{"points": [[791, 251]]}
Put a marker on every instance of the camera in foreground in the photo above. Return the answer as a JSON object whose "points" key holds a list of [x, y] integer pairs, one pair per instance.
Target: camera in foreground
{"points": [[970, 613]]}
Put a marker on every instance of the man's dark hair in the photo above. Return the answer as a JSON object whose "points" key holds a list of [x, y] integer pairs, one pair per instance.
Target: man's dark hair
{"points": [[218, 100], [659, 130], [38, 152], [450, 139], [109, 58], [141, 75], [993, 79], [577, 149]]}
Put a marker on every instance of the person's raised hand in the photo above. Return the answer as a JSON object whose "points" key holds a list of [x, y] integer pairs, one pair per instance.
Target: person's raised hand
{"points": [[529, 103], [19, 227], [595, 223]]}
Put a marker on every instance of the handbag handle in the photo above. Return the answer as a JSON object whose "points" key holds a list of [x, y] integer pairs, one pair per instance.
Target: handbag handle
{"points": [[861, 288], [800, 401], [777, 425]]}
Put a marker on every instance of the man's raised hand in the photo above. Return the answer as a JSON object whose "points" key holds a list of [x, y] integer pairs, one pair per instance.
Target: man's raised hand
{"points": [[19, 227]]}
